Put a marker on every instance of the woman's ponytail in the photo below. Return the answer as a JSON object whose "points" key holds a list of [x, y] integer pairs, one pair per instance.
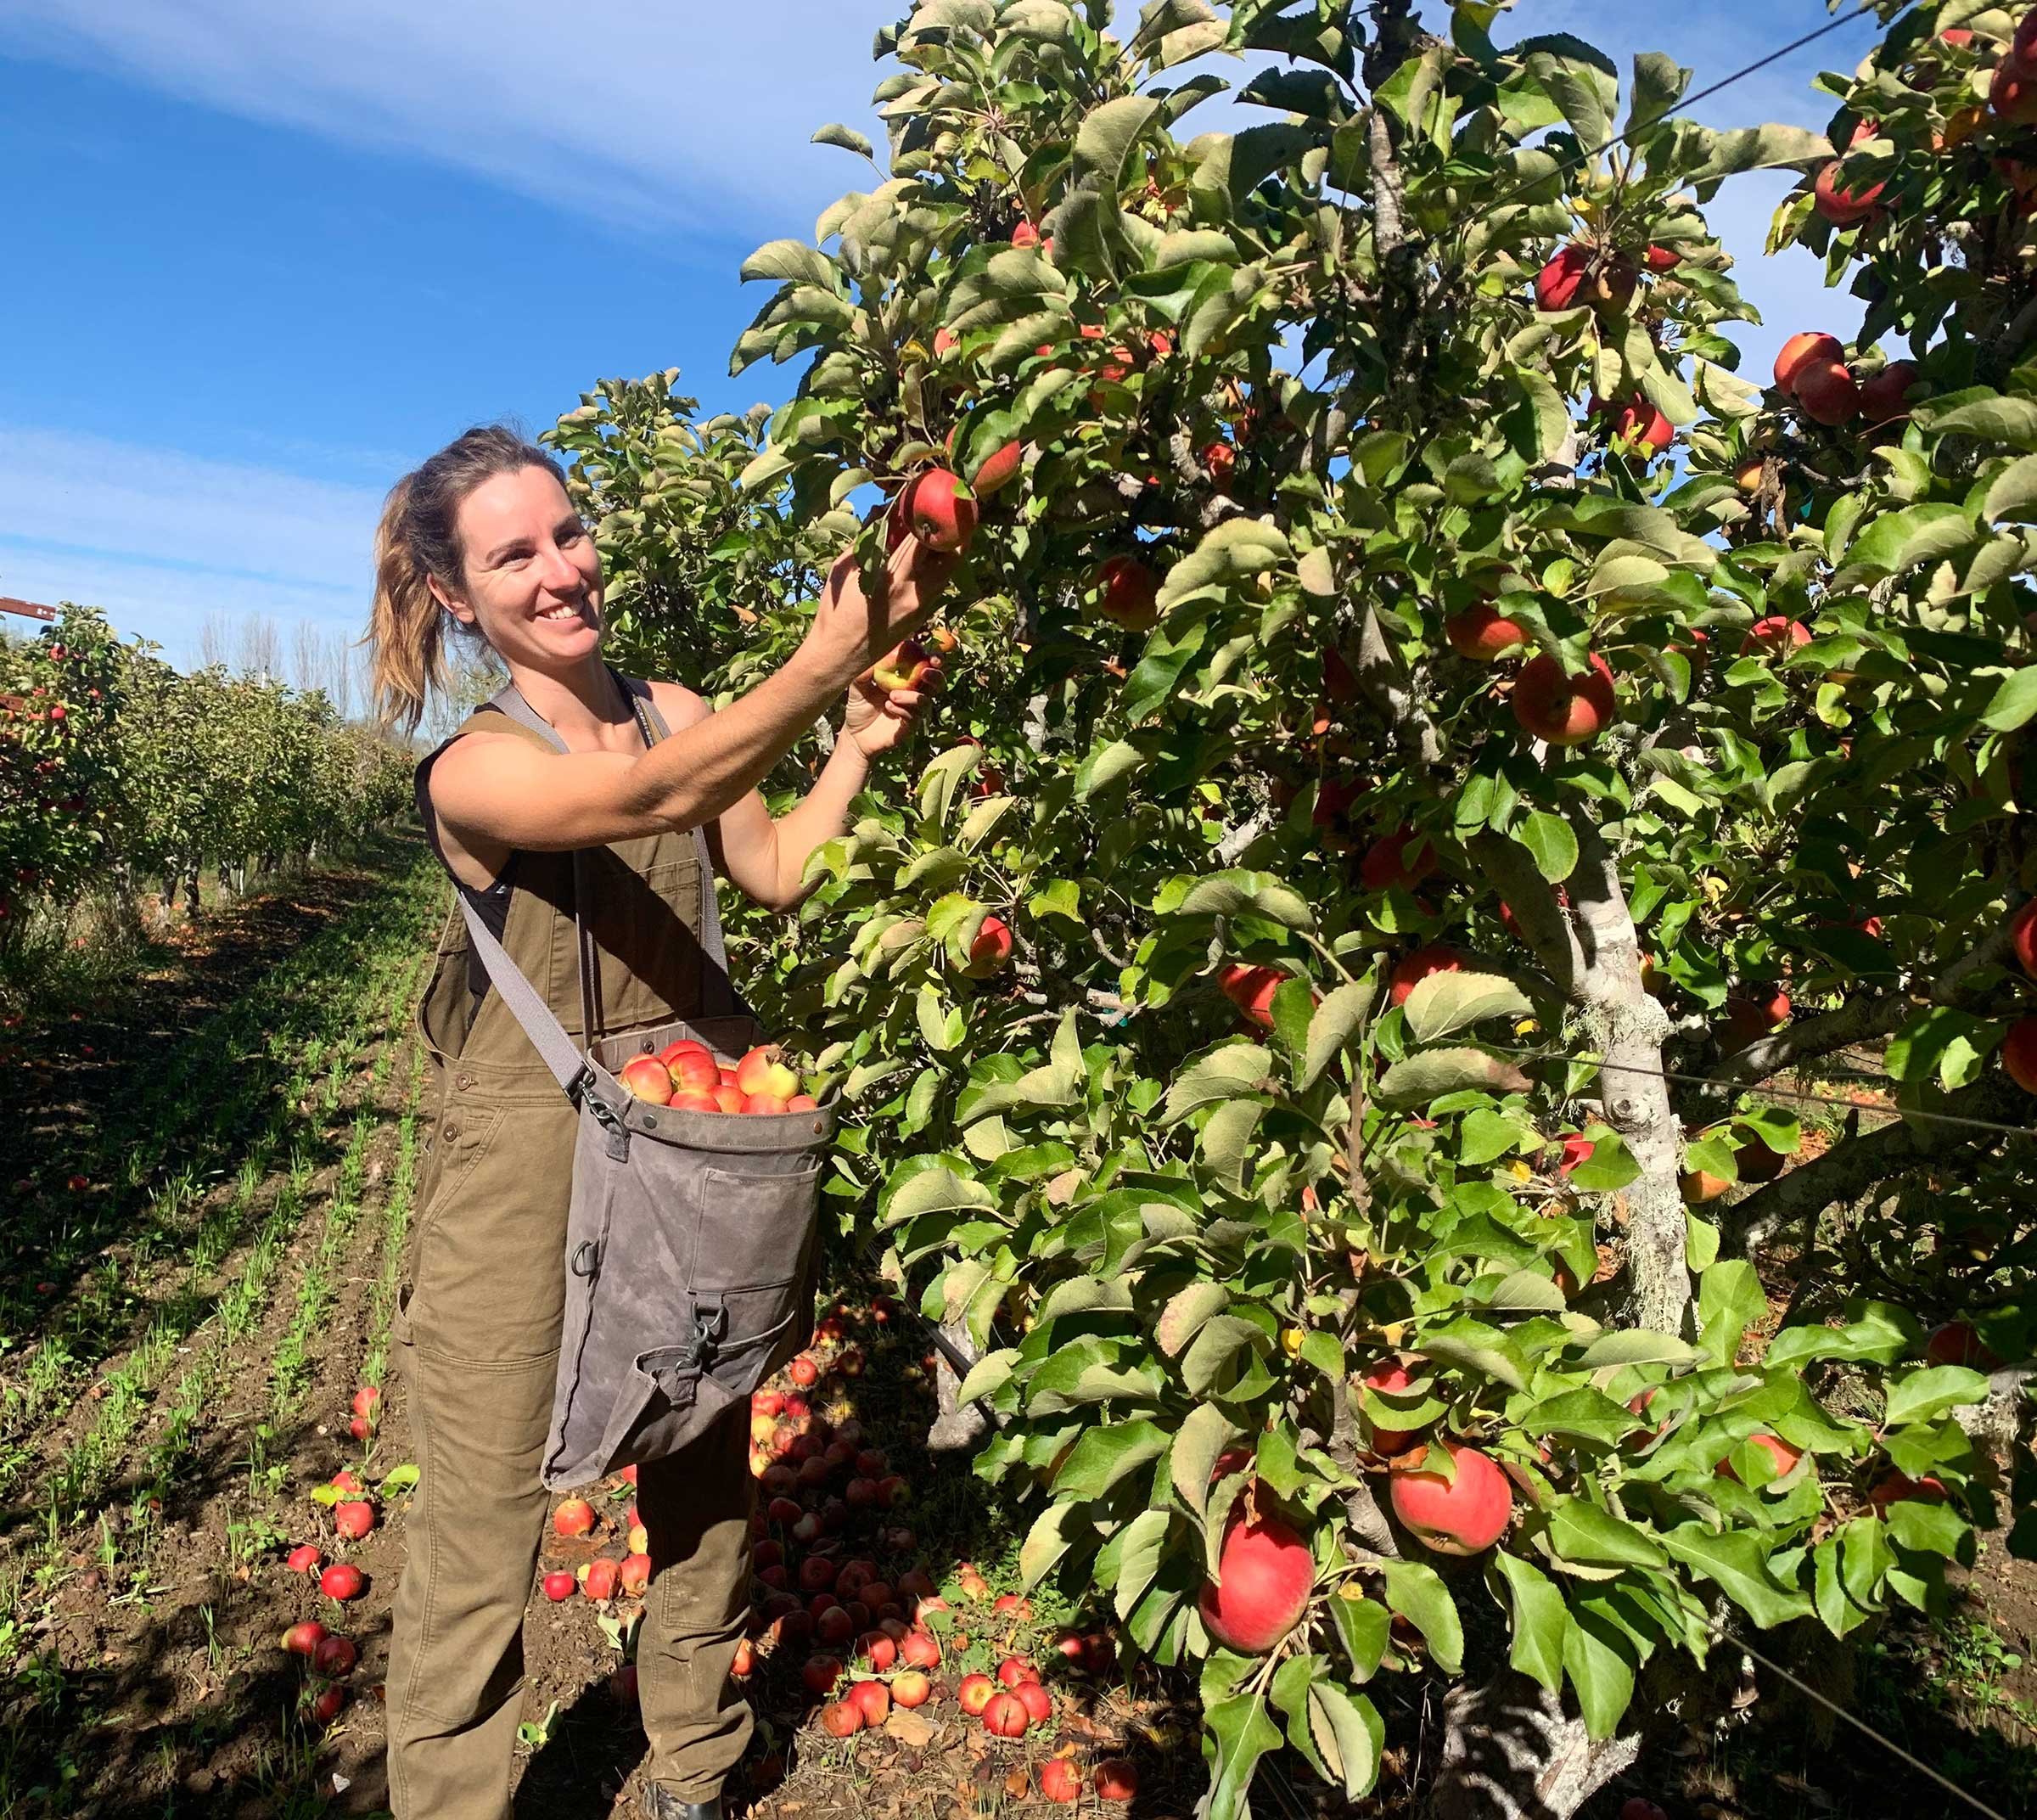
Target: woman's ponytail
{"points": [[418, 539]]}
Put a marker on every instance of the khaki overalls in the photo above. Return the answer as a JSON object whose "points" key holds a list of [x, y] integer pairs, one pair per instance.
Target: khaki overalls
{"points": [[478, 1333]]}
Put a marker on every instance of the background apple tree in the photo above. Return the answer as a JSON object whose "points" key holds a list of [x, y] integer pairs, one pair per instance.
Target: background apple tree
{"points": [[1437, 736]]}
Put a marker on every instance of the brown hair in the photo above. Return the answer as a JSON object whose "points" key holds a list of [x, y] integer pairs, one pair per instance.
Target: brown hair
{"points": [[419, 538]]}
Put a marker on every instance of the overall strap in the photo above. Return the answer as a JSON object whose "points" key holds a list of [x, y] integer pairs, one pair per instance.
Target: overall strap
{"points": [[718, 996]]}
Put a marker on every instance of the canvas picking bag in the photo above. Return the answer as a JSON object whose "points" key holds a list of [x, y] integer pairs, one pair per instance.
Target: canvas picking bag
{"points": [[691, 1241]]}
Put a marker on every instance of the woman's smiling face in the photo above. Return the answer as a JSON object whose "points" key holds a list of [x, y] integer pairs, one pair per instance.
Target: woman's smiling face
{"points": [[533, 584]]}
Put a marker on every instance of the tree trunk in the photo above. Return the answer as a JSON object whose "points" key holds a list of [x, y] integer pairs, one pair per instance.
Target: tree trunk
{"points": [[956, 1426], [1627, 1028], [1510, 1752]]}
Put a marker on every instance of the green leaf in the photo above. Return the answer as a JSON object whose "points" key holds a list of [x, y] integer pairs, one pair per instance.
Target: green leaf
{"points": [[1103, 1455], [1215, 1345], [1579, 80], [1184, 1314], [1205, 1432], [1057, 1530], [1420, 1079], [2013, 703], [1899, 541], [1362, 1627], [1579, 1530], [1540, 1619], [1599, 1659], [1990, 416], [1140, 1553], [1923, 1396], [1737, 1563], [1349, 1734], [1337, 1019], [2013, 491], [989, 1374], [1227, 1073], [1551, 841], [1417, 1593], [1755, 148], [1445, 1002], [1729, 1298], [847, 137], [1238, 1731], [791, 261], [1242, 893], [1104, 141]]}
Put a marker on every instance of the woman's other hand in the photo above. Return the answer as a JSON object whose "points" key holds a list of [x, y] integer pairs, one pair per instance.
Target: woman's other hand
{"points": [[879, 718]]}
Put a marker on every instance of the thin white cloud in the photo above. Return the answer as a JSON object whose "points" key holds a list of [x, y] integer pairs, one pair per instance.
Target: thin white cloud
{"points": [[637, 111], [160, 538]]}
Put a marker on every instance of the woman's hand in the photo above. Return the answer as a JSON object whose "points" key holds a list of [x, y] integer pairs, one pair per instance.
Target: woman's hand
{"points": [[879, 718]]}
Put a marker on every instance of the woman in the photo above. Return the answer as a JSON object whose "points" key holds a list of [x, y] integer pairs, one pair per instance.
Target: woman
{"points": [[483, 536]]}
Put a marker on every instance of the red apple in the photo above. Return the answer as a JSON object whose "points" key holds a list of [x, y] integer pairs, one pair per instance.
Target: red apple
{"points": [[941, 514], [1039, 1704], [366, 1400], [1464, 1517], [1060, 1780], [1826, 393], [1128, 592], [906, 665], [1265, 1575], [874, 1699], [1776, 636], [1801, 348], [1635, 419], [635, 1575], [1778, 1450], [1895, 1487], [1883, 397], [303, 1639], [559, 1585], [1582, 274], [575, 1517], [647, 1078], [841, 1718], [821, 1673], [1004, 1715], [1662, 258], [975, 1693], [1842, 207], [304, 1559], [2013, 95], [335, 1656], [1749, 1018], [999, 470], [598, 1578], [1014, 1669], [1117, 1780], [1561, 709], [1957, 1342], [990, 950], [1390, 1377], [1397, 861], [763, 1071], [1483, 633], [342, 1580], [2019, 1054], [1419, 966], [353, 1520], [911, 1688], [1026, 235], [1251, 989], [326, 1702]]}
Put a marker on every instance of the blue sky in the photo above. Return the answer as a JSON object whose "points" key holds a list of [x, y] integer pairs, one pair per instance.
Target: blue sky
{"points": [[261, 259]]}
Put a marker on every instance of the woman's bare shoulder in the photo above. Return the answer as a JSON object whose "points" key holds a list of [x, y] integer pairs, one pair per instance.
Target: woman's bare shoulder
{"points": [[679, 705]]}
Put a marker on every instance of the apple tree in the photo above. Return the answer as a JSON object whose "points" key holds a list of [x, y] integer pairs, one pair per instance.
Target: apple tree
{"points": [[1439, 740]]}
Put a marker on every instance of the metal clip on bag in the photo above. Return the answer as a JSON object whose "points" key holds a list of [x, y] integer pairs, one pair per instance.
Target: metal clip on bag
{"points": [[691, 1240]]}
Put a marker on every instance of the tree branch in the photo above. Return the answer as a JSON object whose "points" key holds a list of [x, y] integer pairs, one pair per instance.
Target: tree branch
{"points": [[1848, 1171], [1876, 1014]]}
